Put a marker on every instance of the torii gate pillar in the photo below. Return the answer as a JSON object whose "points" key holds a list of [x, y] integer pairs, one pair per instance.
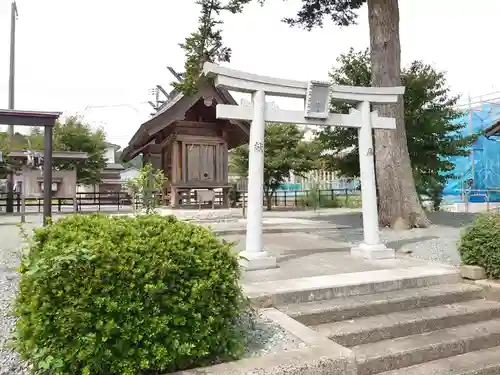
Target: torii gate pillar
{"points": [[317, 100]]}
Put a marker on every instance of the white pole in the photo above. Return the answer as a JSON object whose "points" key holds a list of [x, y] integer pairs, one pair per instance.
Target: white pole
{"points": [[371, 248], [367, 177], [254, 257], [256, 175]]}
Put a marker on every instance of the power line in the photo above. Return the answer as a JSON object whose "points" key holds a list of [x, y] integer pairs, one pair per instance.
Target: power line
{"points": [[128, 105]]}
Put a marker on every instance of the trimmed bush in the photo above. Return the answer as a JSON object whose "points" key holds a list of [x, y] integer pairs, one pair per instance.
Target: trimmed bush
{"points": [[102, 295], [480, 244]]}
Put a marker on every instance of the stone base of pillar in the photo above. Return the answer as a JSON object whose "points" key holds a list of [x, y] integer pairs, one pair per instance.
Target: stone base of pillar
{"points": [[252, 261], [374, 252]]}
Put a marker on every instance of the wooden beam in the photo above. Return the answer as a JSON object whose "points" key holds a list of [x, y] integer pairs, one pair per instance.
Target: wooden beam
{"points": [[194, 124], [28, 118], [352, 120]]}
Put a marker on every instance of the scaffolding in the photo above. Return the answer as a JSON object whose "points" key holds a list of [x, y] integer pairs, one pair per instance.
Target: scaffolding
{"points": [[477, 175]]}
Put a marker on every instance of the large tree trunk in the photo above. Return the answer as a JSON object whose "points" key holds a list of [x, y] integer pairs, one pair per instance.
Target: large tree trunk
{"points": [[399, 204]]}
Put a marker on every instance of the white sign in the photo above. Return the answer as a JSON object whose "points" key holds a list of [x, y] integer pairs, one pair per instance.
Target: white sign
{"points": [[317, 100]]}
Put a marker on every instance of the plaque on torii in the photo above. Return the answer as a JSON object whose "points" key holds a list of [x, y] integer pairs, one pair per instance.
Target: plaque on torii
{"points": [[317, 95]]}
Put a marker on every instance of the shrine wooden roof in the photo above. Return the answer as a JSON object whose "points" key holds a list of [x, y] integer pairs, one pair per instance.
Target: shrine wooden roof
{"points": [[174, 110], [66, 155], [28, 118]]}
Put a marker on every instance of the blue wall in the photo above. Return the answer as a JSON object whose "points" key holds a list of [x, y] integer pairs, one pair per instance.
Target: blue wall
{"points": [[485, 156]]}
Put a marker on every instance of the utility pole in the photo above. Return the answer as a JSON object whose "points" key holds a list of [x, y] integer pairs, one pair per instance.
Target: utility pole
{"points": [[156, 105], [10, 176], [156, 93]]}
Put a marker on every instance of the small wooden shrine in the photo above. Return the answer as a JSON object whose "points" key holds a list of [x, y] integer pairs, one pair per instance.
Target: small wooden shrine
{"points": [[187, 141], [29, 174]]}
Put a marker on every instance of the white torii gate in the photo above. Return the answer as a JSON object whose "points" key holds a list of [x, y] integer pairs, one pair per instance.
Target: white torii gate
{"points": [[317, 99]]}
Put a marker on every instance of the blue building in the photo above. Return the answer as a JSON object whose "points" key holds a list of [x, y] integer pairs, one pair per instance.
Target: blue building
{"points": [[478, 175]]}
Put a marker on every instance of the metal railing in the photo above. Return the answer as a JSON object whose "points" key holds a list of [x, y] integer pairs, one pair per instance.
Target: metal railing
{"points": [[115, 201], [97, 201]]}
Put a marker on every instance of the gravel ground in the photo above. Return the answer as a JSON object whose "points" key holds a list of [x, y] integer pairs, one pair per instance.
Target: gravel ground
{"points": [[10, 363], [436, 244], [268, 337]]}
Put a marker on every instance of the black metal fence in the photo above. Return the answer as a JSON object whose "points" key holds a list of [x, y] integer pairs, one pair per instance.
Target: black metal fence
{"points": [[99, 201], [115, 201], [307, 198], [286, 198]]}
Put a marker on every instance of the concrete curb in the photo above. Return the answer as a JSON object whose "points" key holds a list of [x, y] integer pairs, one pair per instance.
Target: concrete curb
{"points": [[491, 288], [472, 272], [321, 357], [316, 288]]}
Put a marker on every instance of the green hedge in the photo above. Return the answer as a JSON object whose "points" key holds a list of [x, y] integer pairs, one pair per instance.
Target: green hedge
{"points": [[103, 295], [480, 244]]}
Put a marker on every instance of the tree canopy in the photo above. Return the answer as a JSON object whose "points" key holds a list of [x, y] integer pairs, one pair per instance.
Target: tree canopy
{"points": [[432, 134], [284, 151], [205, 44]]}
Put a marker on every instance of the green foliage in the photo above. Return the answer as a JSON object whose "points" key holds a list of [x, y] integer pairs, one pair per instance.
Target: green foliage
{"points": [[429, 111], [74, 135], [234, 195], [147, 187], [35, 139], [127, 295], [480, 244], [321, 199], [4, 149], [314, 197], [312, 13], [134, 163], [17, 142], [205, 44], [284, 151]]}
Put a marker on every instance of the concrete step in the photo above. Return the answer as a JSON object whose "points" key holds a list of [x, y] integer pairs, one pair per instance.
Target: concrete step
{"points": [[320, 312], [482, 362], [326, 287], [404, 323], [411, 350]]}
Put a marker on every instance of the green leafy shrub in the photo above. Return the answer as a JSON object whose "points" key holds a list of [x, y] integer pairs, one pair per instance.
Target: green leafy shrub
{"points": [[315, 200], [234, 195], [121, 295], [480, 244]]}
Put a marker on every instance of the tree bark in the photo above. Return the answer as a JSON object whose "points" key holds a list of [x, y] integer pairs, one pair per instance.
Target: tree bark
{"points": [[399, 204]]}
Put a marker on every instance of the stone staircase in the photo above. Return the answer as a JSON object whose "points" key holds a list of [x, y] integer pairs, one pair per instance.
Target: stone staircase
{"points": [[431, 327]]}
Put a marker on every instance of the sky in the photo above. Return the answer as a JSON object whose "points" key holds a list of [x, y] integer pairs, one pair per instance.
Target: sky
{"points": [[99, 58]]}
